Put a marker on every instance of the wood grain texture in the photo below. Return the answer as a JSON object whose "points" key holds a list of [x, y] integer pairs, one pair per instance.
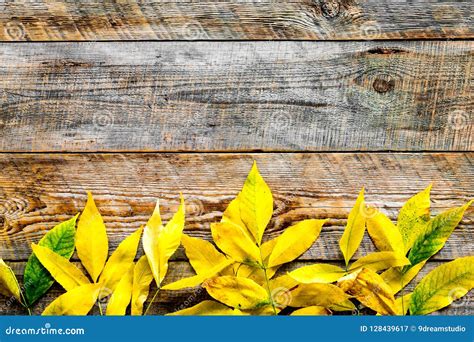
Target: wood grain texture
{"points": [[236, 96], [37, 191], [211, 20], [170, 301]]}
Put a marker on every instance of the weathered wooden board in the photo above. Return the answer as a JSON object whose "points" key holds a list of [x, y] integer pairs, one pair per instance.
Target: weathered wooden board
{"points": [[212, 20], [38, 191], [170, 301], [236, 96]]}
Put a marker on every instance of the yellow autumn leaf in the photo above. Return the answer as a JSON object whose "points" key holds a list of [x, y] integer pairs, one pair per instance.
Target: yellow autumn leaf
{"points": [[237, 292], [233, 241], [397, 278], [317, 273], [198, 278], [122, 295], [311, 311], [60, 268], [413, 217], [284, 283], [207, 308], [442, 286], [201, 254], [142, 277], [346, 305], [266, 310], [355, 228], [92, 244], [384, 233], [256, 204], [8, 283], [369, 289], [120, 260], [232, 215], [316, 295], [294, 241], [378, 261], [160, 242], [76, 302]]}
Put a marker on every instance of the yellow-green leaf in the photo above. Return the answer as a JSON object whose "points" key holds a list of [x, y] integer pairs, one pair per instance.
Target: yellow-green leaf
{"points": [[413, 217], [256, 204], [384, 233], [198, 278], [311, 311], [378, 261], [233, 241], [92, 244], [142, 277], [120, 260], [76, 302], [355, 228], [60, 268], [294, 241], [8, 283], [316, 294], [206, 308], [237, 292], [369, 289], [397, 279], [201, 253], [442, 286], [317, 273], [159, 243], [436, 232], [122, 295]]}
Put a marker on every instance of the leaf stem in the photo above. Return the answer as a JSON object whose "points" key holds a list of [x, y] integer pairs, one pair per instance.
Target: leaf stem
{"points": [[100, 308], [151, 302], [267, 282]]}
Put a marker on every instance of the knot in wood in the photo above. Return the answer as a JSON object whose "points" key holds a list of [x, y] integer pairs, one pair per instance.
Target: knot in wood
{"points": [[330, 8], [383, 86]]}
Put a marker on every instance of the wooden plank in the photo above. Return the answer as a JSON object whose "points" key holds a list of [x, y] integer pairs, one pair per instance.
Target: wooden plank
{"points": [[211, 20], [170, 301], [236, 96], [37, 191]]}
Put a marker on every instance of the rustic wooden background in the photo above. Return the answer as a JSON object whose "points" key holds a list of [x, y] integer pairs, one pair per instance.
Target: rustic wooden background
{"points": [[138, 100]]}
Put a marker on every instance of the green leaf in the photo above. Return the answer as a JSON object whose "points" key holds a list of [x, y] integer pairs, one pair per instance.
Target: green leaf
{"points": [[436, 233], [442, 286], [36, 277]]}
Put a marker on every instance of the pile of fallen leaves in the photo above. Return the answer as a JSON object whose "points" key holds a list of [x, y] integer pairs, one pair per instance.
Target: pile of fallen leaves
{"points": [[240, 271]]}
